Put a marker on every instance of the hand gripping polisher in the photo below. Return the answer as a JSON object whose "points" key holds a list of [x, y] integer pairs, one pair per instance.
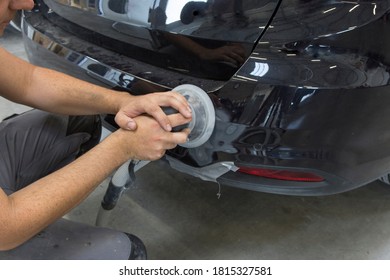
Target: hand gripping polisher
{"points": [[201, 127]]}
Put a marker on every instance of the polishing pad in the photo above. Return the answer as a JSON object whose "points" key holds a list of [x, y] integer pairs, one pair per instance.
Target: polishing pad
{"points": [[203, 115]]}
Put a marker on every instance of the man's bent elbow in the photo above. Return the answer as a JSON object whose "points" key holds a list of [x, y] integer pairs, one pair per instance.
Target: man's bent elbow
{"points": [[8, 243]]}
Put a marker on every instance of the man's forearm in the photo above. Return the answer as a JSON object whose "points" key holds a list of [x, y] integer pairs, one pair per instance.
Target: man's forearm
{"points": [[53, 91], [66, 95], [33, 208]]}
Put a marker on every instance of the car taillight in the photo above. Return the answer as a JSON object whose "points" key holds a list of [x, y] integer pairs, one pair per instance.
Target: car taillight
{"points": [[282, 174]]}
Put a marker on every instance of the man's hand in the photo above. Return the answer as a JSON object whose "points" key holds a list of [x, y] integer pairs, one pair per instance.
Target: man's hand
{"points": [[149, 141], [151, 104]]}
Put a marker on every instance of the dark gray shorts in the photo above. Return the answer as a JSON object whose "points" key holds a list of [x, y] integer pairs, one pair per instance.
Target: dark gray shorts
{"points": [[34, 144], [37, 143]]}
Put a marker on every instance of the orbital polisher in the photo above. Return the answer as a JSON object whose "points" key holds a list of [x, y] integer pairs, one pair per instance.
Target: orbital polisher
{"points": [[203, 115]]}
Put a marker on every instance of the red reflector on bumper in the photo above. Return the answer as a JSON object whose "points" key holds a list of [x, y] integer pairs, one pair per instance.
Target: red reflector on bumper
{"points": [[282, 174]]}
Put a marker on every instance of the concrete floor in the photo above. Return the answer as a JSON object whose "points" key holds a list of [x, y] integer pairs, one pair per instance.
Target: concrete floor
{"points": [[180, 217]]}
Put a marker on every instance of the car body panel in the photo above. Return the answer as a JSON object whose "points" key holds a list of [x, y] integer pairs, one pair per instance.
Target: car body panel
{"points": [[168, 34], [310, 96]]}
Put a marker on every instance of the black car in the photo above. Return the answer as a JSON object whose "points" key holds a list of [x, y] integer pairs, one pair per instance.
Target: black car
{"points": [[300, 88]]}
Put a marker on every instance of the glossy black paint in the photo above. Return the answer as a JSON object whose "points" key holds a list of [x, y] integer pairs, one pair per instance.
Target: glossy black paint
{"points": [[175, 35], [311, 92]]}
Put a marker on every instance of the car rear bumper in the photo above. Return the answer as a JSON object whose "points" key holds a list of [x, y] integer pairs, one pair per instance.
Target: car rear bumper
{"points": [[54, 48]]}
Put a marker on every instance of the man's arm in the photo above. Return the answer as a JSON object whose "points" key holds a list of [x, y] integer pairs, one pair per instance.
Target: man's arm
{"points": [[29, 210], [55, 92]]}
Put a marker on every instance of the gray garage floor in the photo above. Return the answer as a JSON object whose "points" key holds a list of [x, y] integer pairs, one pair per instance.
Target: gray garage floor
{"points": [[180, 217]]}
